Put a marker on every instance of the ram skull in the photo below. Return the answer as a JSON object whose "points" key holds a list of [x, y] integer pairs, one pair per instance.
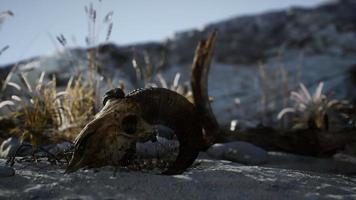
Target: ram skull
{"points": [[124, 120]]}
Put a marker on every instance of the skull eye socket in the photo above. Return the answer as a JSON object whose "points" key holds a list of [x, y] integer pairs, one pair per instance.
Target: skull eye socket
{"points": [[129, 124]]}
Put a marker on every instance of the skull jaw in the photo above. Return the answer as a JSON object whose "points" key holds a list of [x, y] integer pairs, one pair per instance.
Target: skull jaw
{"points": [[113, 151], [110, 154]]}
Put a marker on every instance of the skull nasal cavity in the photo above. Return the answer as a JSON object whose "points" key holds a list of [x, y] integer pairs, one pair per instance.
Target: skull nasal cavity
{"points": [[129, 124]]}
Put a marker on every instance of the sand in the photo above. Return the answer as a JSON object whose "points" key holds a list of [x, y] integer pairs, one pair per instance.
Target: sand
{"points": [[208, 179]]}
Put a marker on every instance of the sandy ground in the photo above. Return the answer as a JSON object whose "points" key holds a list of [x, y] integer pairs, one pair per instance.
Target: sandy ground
{"points": [[208, 179]]}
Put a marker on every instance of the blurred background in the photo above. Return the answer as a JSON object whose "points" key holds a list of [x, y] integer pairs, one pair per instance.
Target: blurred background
{"points": [[35, 24], [281, 84]]}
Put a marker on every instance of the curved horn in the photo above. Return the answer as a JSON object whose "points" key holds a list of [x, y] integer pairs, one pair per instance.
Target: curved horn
{"points": [[163, 106]]}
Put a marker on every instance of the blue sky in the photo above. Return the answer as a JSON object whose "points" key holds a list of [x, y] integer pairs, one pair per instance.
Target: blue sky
{"points": [[36, 23]]}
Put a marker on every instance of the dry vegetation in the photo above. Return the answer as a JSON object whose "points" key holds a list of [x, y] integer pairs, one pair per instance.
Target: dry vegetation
{"points": [[44, 114], [312, 111]]}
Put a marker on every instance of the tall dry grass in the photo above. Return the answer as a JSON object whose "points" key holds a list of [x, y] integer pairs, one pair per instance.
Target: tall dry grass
{"points": [[42, 113]]}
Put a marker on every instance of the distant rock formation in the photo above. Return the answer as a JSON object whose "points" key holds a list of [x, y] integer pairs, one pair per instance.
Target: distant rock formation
{"points": [[293, 45]]}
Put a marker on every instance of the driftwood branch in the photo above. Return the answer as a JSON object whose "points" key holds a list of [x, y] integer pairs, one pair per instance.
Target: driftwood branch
{"points": [[305, 142], [199, 82]]}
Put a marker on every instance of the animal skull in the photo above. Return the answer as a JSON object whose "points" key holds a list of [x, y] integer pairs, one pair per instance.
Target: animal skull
{"points": [[110, 136], [125, 120]]}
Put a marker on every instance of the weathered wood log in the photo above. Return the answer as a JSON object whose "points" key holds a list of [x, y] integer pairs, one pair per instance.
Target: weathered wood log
{"points": [[305, 142]]}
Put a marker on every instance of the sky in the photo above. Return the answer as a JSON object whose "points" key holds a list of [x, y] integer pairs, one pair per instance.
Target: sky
{"points": [[36, 23]]}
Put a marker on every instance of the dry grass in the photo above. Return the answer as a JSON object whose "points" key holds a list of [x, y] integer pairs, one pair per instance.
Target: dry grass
{"points": [[43, 114], [78, 106], [311, 110], [35, 111], [3, 16], [149, 75], [275, 85]]}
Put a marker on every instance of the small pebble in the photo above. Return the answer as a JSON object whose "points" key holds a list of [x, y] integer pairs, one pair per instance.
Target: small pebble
{"points": [[241, 152]]}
